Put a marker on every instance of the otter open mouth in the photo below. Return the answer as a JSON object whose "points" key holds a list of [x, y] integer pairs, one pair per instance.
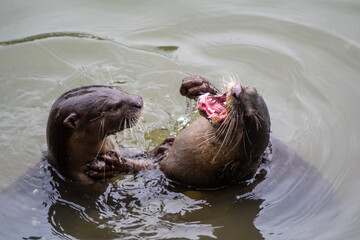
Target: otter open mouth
{"points": [[213, 107]]}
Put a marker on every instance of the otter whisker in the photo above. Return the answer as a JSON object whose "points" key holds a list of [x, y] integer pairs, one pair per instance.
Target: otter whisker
{"points": [[221, 130], [101, 128], [236, 144], [98, 117], [120, 123], [140, 126], [235, 127], [207, 137], [258, 115], [125, 127], [224, 126], [131, 124], [102, 144], [133, 136], [244, 145], [215, 137], [247, 136], [223, 142], [217, 153], [203, 142], [257, 121], [229, 132], [130, 120], [229, 79]]}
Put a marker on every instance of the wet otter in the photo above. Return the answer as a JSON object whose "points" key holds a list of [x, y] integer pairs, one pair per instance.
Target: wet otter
{"points": [[224, 146], [78, 127]]}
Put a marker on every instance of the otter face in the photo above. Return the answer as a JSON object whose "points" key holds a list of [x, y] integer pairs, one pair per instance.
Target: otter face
{"points": [[80, 121], [240, 110], [102, 108], [256, 118]]}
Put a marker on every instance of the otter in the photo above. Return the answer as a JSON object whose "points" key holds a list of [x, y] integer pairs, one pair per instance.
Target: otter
{"points": [[224, 146], [78, 129]]}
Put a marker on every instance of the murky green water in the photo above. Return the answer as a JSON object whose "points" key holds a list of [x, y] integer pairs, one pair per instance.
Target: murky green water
{"points": [[303, 56]]}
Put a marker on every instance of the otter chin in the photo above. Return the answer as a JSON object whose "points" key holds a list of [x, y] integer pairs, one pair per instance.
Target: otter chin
{"points": [[226, 144], [78, 129]]}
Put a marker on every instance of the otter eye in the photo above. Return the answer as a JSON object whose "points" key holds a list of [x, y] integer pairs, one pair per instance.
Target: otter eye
{"points": [[115, 108]]}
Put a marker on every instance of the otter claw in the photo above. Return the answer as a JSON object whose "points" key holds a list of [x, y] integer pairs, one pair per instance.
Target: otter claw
{"points": [[105, 166], [101, 175], [113, 160]]}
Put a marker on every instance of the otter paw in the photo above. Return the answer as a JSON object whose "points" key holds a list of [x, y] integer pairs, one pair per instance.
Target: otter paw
{"points": [[163, 147], [194, 86], [101, 175], [105, 166]]}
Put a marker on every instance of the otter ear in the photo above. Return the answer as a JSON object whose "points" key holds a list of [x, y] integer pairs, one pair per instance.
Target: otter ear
{"points": [[72, 121]]}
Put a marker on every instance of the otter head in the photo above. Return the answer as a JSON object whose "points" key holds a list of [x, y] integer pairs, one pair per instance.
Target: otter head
{"points": [[79, 123], [241, 120]]}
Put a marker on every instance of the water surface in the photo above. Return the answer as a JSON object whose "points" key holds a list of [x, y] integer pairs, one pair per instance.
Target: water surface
{"points": [[303, 56]]}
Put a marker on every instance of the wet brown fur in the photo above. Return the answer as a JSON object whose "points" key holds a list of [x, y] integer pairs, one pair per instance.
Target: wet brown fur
{"points": [[206, 156], [79, 125]]}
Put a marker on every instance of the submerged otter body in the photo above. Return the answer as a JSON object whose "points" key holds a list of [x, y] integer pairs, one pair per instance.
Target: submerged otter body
{"points": [[224, 146], [79, 124]]}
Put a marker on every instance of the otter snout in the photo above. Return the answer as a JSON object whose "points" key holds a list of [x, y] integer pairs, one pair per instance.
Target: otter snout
{"points": [[236, 91], [138, 102]]}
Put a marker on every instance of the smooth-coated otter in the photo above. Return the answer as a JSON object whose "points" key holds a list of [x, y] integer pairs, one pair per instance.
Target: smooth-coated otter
{"points": [[226, 144], [78, 129]]}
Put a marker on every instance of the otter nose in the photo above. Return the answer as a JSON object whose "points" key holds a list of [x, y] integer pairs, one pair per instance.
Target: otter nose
{"points": [[236, 91], [138, 102]]}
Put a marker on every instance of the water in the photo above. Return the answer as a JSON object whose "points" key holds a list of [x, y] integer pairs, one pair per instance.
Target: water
{"points": [[303, 56]]}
